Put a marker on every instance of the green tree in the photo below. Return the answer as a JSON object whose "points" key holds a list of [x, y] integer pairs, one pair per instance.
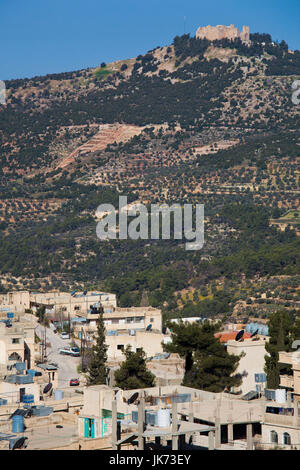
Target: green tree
{"points": [[208, 366], [133, 372], [280, 331], [97, 372], [41, 314]]}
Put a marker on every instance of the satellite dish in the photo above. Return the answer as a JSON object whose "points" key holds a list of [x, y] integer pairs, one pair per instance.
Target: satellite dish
{"points": [[47, 388], [239, 335], [132, 398], [164, 330], [19, 443], [149, 327], [254, 333]]}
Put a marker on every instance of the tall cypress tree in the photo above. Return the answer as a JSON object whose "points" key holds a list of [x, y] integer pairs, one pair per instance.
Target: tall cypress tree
{"points": [[97, 369], [280, 330]]}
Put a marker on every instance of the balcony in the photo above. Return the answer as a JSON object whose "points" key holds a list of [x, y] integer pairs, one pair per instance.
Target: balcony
{"points": [[285, 358], [287, 381]]}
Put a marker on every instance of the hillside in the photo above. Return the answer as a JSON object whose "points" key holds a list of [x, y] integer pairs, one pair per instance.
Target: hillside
{"points": [[198, 121]]}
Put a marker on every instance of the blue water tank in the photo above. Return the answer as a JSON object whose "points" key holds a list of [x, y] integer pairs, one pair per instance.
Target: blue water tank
{"points": [[24, 379], [17, 423], [28, 398], [10, 315], [30, 372], [20, 366]]}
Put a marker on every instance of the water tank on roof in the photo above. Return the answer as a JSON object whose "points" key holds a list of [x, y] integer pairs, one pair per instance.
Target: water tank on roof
{"points": [[163, 418], [280, 395], [28, 398], [20, 366], [58, 394], [17, 423], [10, 315]]}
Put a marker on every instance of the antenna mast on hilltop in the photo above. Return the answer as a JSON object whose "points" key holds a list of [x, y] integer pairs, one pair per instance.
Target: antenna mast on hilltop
{"points": [[184, 24]]}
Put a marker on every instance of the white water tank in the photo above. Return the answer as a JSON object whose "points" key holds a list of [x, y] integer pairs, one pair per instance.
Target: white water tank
{"points": [[163, 418], [58, 394], [280, 395]]}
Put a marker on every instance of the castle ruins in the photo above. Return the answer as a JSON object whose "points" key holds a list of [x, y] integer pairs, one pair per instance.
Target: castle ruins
{"points": [[223, 32]]}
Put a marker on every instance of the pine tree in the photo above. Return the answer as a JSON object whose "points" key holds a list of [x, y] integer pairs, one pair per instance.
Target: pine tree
{"points": [[208, 365], [97, 369], [133, 372]]}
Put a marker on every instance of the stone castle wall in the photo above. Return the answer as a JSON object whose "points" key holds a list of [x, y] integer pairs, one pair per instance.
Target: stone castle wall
{"points": [[223, 32]]}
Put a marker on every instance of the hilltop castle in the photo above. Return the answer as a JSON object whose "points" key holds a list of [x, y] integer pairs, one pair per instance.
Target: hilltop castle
{"points": [[223, 32]]}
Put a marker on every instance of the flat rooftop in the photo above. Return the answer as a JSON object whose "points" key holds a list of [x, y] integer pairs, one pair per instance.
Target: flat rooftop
{"points": [[229, 410]]}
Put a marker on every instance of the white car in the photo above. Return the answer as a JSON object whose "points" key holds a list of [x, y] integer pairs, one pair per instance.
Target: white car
{"points": [[65, 335]]}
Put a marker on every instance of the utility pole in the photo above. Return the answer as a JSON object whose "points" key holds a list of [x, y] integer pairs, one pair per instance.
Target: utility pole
{"points": [[44, 347], [82, 350]]}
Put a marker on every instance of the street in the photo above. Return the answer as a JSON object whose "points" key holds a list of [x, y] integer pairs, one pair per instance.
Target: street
{"points": [[67, 366]]}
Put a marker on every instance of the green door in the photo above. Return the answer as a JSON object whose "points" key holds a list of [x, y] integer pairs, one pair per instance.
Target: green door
{"points": [[92, 428], [89, 428], [86, 427]]}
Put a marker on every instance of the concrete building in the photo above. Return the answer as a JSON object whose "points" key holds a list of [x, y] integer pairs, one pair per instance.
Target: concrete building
{"points": [[95, 419], [291, 382], [176, 415], [55, 302], [251, 363], [281, 425], [13, 392], [17, 343], [140, 327]]}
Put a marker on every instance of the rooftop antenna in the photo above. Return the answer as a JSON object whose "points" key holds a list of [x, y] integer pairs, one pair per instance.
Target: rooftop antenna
{"points": [[184, 24]]}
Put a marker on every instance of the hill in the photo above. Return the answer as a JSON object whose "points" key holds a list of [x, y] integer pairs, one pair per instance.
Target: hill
{"points": [[197, 121]]}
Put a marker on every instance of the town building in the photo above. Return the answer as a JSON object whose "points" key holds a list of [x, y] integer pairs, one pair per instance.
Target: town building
{"points": [[251, 365], [55, 303], [139, 327]]}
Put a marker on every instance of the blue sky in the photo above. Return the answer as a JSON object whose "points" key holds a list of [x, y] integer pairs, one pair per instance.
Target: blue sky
{"points": [[48, 36]]}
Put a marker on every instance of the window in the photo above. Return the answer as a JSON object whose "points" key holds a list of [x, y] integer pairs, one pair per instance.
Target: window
{"points": [[151, 320], [14, 357], [286, 438], [274, 437], [120, 347], [15, 340], [77, 307]]}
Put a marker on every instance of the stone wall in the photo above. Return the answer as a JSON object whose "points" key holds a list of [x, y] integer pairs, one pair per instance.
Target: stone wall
{"points": [[223, 32]]}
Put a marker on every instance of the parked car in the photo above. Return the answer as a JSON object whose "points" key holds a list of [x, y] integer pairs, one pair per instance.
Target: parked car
{"points": [[75, 352], [65, 335], [74, 382]]}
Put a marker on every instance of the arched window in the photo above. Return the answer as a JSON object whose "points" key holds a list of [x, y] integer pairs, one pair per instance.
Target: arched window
{"points": [[274, 437], [286, 438], [14, 357]]}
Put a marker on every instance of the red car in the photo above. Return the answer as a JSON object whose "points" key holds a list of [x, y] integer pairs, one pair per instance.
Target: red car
{"points": [[74, 382]]}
